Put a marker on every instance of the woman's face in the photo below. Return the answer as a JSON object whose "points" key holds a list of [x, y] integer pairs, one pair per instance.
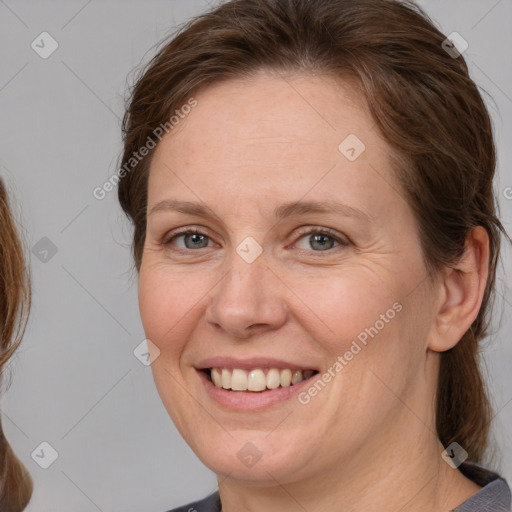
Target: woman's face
{"points": [[307, 258]]}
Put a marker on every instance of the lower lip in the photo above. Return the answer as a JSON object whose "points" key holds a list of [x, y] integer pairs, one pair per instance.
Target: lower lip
{"points": [[250, 400]]}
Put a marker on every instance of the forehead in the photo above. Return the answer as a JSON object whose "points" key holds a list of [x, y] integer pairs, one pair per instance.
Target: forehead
{"points": [[279, 109], [251, 139]]}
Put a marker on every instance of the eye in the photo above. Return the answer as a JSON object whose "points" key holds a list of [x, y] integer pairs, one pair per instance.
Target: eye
{"points": [[321, 240], [191, 239]]}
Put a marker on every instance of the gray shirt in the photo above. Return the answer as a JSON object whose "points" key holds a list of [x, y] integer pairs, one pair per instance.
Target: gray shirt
{"points": [[493, 497]]}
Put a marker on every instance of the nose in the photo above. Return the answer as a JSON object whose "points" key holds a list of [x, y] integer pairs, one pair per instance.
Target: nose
{"points": [[248, 300]]}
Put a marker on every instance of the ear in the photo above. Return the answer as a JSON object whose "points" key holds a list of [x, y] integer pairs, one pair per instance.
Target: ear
{"points": [[461, 293]]}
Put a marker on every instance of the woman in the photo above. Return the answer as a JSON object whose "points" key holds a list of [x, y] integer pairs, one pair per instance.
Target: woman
{"points": [[15, 481], [310, 185]]}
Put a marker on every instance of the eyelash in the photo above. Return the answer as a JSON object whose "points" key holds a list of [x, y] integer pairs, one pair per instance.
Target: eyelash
{"points": [[342, 241]]}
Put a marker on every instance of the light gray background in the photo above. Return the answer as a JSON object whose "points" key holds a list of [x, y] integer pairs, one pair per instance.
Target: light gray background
{"points": [[76, 383]]}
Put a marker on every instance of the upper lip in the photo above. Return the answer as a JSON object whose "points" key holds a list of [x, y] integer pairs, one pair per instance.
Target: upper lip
{"points": [[250, 363]]}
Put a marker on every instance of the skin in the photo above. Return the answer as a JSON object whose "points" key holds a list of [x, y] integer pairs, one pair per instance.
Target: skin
{"points": [[367, 440]]}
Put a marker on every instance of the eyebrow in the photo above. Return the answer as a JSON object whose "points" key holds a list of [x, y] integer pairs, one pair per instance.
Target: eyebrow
{"points": [[285, 210]]}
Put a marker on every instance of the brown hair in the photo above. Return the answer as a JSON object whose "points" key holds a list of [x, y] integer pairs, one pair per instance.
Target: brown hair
{"points": [[423, 101], [15, 481]]}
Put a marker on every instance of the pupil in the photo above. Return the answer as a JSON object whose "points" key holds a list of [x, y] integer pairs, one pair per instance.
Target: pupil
{"points": [[195, 239], [322, 240]]}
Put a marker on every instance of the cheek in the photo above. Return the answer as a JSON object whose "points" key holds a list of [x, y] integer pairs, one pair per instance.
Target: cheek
{"points": [[363, 322], [343, 306], [370, 336], [166, 304]]}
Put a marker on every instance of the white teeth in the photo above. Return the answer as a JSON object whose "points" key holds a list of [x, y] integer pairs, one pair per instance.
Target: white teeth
{"points": [[273, 379], [238, 380], [226, 379], [256, 380], [216, 377], [286, 378]]}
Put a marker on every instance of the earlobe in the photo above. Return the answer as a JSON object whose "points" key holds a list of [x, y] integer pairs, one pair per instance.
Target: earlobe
{"points": [[463, 288]]}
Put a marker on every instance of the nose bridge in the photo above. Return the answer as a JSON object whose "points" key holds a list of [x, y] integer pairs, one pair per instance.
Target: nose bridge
{"points": [[243, 297], [243, 284], [245, 267]]}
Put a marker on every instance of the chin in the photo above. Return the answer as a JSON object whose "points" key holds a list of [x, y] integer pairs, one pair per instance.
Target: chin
{"points": [[253, 462]]}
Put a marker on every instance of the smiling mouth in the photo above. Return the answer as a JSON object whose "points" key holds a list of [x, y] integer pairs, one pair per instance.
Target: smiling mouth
{"points": [[256, 380]]}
